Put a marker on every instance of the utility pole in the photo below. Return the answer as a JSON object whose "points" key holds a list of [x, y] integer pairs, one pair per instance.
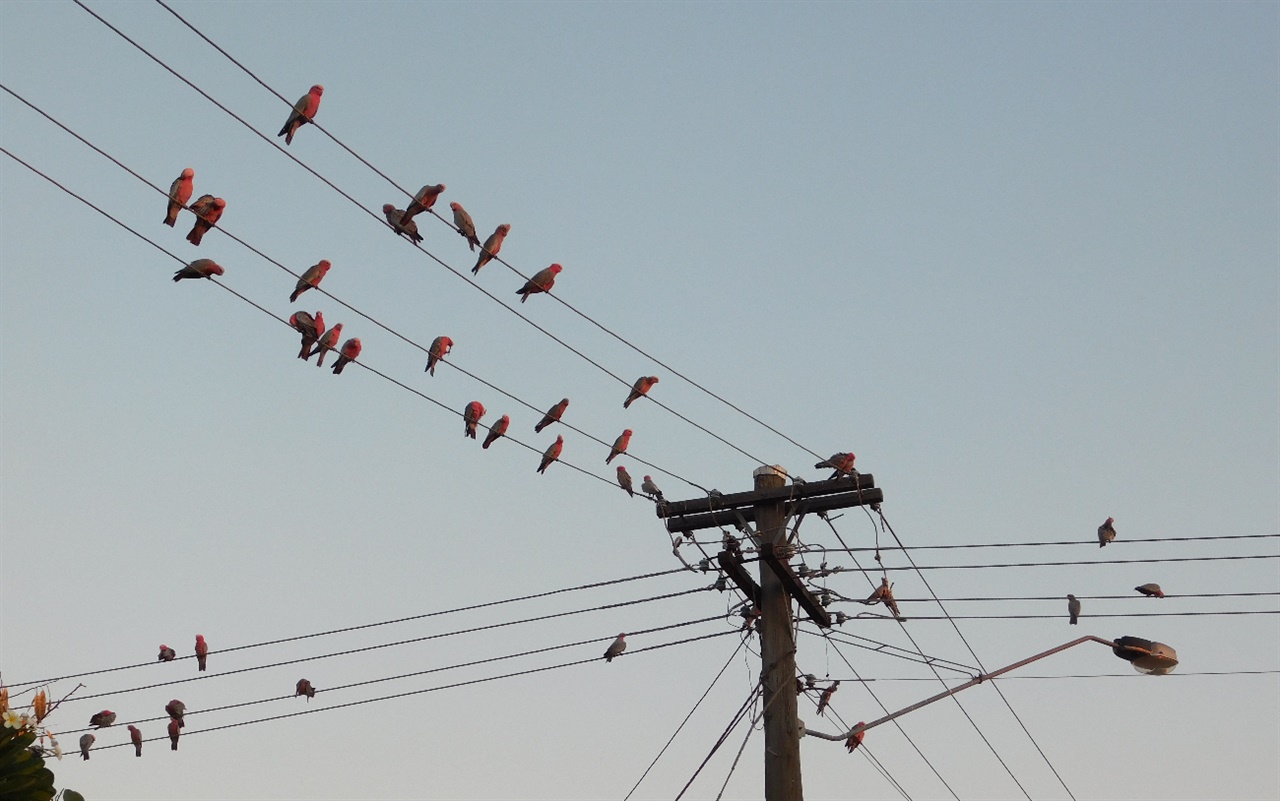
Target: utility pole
{"points": [[769, 506]]}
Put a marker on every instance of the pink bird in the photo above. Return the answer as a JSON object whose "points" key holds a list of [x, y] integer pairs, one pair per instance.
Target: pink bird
{"points": [[542, 281], [423, 201], [310, 327], [624, 481], [200, 268], [496, 430], [551, 454], [326, 343], [619, 445], [855, 739], [825, 698], [135, 737], [649, 488], [175, 731], [102, 719], [179, 193], [1150, 590], [202, 651], [616, 647], [470, 417], [491, 246], [553, 415], [305, 688], [440, 347], [841, 463], [176, 710], [349, 353], [167, 654], [467, 228], [311, 278], [86, 742], [208, 210], [303, 112], [640, 388], [1106, 532], [409, 229]]}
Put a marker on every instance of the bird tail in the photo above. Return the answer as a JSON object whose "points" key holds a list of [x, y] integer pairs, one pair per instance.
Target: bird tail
{"points": [[337, 368], [305, 353], [177, 276], [202, 663], [538, 428], [194, 237], [293, 296], [173, 747], [171, 216], [138, 749]]}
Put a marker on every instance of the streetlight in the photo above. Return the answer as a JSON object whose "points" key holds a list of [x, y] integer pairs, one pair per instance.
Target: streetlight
{"points": [[1146, 656]]}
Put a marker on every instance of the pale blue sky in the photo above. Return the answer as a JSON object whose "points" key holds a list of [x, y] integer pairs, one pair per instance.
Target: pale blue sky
{"points": [[1021, 258]]}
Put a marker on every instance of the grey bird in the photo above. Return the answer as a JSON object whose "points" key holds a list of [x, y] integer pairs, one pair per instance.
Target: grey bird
{"points": [[1073, 608]]}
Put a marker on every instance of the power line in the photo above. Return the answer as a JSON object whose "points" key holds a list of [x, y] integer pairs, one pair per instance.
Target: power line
{"points": [[756, 691], [1126, 541], [1226, 613], [893, 650], [875, 763], [1009, 676], [1130, 597], [1099, 562]]}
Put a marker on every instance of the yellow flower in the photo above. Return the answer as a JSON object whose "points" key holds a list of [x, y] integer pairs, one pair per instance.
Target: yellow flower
{"points": [[41, 705], [12, 719]]}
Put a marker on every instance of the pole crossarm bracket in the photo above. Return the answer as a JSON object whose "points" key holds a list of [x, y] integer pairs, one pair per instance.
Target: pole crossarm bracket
{"points": [[812, 497], [792, 584]]}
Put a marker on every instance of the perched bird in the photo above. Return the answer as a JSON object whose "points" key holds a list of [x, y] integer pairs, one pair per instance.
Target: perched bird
{"points": [[208, 210], [102, 719], [175, 709], [86, 742], [1073, 608], [542, 281], [496, 430], [423, 201], [884, 594], [1152, 590], [649, 488], [624, 481], [200, 268], [551, 454], [619, 445], [202, 651], [409, 229], [305, 688], [135, 737], [855, 739], [311, 278], [440, 347], [553, 415], [303, 112], [349, 353], [491, 246], [470, 417], [326, 343], [179, 194], [641, 387], [167, 654], [616, 647], [462, 221], [1106, 532], [841, 463], [749, 617], [175, 731], [825, 698], [310, 327]]}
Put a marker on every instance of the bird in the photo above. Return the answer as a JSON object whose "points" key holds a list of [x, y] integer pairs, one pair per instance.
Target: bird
{"points": [[200, 268], [175, 709], [825, 698], [855, 739], [311, 278], [167, 654], [440, 347], [179, 193], [496, 430], [616, 647], [303, 112], [310, 327], [304, 688], [649, 488], [135, 737], [841, 463], [349, 353], [1106, 532], [467, 228], [86, 742], [423, 201], [208, 210], [491, 246], [883, 594], [551, 454], [624, 481], [1073, 608], [640, 388], [202, 651], [619, 445], [102, 719], [327, 342], [553, 415], [470, 417], [542, 281], [409, 229], [1152, 590], [175, 731]]}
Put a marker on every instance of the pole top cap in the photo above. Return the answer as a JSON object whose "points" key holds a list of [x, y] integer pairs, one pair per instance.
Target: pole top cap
{"points": [[770, 470]]}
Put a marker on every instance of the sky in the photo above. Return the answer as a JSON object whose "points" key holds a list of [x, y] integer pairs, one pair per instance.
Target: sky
{"points": [[1022, 259]]}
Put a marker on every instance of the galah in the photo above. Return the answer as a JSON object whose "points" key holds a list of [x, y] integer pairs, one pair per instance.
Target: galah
{"points": [[616, 647], [179, 194], [409, 229], [208, 211], [305, 688], [496, 430], [1106, 532], [440, 347], [624, 481], [825, 698], [423, 201], [841, 463], [551, 454], [102, 719], [311, 278], [135, 737], [1073, 608], [649, 488], [349, 353], [326, 343], [175, 731], [467, 228], [619, 445], [470, 417], [202, 651], [1151, 589], [491, 246], [167, 654], [641, 387], [200, 268], [305, 324], [749, 617], [878, 595], [553, 415], [542, 281], [176, 710], [86, 742], [855, 739], [303, 112]]}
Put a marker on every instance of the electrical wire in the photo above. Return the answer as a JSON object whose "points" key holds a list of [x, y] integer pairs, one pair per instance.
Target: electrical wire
{"points": [[893, 650], [1224, 613], [756, 691], [1130, 597], [1126, 541], [1097, 562], [1009, 676]]}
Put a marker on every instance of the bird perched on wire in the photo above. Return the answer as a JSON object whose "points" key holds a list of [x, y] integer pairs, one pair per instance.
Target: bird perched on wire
{"points": [[86, 742], [208, 210], [102, 719], [310, 278], [394, 215], [750, 614], [303, 112], [471, 417], [175, 731], [202, 651], [491, 246], [553, 415], [619, 445], [496, 430], [825, 698], [841, 463], [649, 488], [855, 739], [304, 688], [1106, 532], [542, 281], [551, 454], [179, 193], [1073, 608], [311, 329], [349, 353], [135, 737], [467, 228], [423, 201], [167, 654], [440, 347], [639, 389], [175, 709], [200, 268], [884, 594], [1152, 590], [327, 342], [616, 647], [624, 481]]}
